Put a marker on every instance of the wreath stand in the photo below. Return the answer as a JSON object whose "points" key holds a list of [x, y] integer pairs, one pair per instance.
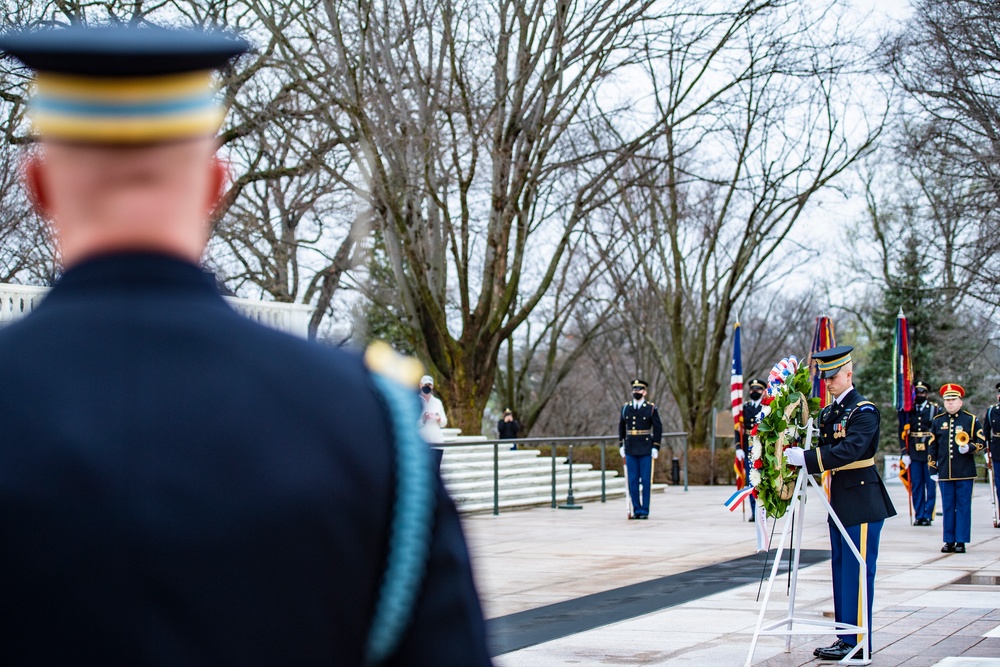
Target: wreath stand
{"points": [[787, 626]]}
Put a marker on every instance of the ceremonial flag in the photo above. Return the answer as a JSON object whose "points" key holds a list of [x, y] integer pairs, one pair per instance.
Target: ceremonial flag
{"points": [[902, 387], [823, 339], [738, 497], [902, 367], [736, 396]]}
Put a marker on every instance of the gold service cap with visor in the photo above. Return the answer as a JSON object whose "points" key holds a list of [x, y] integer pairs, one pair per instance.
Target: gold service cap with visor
{"points": [[123, 85]]}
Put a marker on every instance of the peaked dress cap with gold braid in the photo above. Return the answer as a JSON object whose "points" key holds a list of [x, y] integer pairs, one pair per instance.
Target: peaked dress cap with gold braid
{"points": [[832, 360], [124, 85], [952, 390]]}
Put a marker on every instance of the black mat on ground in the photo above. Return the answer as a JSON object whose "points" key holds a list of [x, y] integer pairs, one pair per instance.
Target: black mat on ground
{"points": [[535, 626]]}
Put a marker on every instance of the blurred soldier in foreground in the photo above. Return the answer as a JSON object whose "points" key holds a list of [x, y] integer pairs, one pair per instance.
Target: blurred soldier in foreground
{"points": [[914, 437], [849, 431], [956, 436], [991, 432], [179, 485], [640, 432]]}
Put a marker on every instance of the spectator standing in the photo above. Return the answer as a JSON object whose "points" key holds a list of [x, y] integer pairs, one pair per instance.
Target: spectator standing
{"points": [[508, 428], [432, 417]]}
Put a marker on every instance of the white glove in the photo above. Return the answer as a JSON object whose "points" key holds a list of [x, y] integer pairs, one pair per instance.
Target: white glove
{"points": [[740, 455], [621, 450], [655, 453], [963, 449], [934, 477], [795, 456], [906, 460]]}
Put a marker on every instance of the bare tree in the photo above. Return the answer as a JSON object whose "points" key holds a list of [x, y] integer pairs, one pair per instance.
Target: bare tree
{"points": [[757, 110], [946, 59], [287, 231]]}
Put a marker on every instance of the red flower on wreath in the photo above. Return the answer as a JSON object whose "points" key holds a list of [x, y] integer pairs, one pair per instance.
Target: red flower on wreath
{"points": [[758, 464], [754, 430], [767, 400]]}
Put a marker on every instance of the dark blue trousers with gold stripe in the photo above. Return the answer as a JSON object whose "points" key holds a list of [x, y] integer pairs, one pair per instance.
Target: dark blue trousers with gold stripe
{"points": [[846, 580], [956, 502]]}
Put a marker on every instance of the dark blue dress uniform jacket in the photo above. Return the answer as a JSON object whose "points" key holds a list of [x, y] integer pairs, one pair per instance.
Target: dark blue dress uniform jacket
{"points": [[181, 486], [849, 432], [991, 430], [919, 421], [947, 461], [646, 419]]}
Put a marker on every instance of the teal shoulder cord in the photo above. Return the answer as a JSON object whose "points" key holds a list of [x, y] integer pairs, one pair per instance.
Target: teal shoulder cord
{"points": [[410, 527]]}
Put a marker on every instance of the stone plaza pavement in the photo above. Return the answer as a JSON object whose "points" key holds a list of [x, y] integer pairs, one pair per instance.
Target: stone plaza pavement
{"points": [[930, 608]]}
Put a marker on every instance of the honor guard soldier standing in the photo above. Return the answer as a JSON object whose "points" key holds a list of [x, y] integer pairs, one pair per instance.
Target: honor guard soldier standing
{"points": [[849, 436], [180, 485], [640, 432], [751, 410], [991, 430], [956, 436], [914, 437]]}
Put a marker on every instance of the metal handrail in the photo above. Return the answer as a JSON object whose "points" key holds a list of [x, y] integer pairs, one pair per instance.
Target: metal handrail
{"points": [[602, 440]]}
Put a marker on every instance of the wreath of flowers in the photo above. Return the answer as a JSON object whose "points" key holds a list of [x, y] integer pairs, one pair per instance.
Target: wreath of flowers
{"points": [[782, 423]]}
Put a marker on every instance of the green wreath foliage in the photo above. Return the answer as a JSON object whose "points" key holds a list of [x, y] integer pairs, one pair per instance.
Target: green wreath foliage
{"points": [[786, 415]]}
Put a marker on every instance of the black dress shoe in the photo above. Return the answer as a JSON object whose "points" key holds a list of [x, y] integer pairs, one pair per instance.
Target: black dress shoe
{"points": [[752, 519], [643, 516], [835, 645], [960, 547], [949, 547], [835, 652]]}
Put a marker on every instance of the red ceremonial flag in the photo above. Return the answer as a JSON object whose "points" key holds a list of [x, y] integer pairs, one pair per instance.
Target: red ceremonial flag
{"points": [[823, 339]]}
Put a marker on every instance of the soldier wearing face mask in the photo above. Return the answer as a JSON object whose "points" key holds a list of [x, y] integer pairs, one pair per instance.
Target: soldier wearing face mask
{"points": [[432, 417], [914, 439], [751, 411], [640, 432], [991, 430]]}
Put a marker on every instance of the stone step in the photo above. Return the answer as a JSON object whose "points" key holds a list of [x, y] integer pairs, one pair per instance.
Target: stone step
{"points": [[545, 500], [525, 478], [454, 484], [486, 472], [538, 490]]}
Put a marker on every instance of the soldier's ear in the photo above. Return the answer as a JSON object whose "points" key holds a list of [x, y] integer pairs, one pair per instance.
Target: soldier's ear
{"points": [[218, 182], [31, 170]]}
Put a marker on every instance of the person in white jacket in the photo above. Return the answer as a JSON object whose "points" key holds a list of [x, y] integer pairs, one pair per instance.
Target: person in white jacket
{"points": [[432, 417]]}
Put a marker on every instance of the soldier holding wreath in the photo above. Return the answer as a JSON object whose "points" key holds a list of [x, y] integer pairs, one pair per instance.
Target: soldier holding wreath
{"points": [[849, 436]]}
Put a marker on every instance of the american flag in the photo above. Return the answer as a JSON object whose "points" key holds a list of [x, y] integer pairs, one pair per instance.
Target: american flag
{"points": [[736, 395]]}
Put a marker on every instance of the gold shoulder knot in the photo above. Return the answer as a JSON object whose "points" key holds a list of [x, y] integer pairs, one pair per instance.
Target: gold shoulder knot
{"points": [[382, 359]]}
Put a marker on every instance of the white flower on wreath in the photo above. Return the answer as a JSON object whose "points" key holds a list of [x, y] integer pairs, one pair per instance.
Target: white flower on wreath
{"points": [[755, 448], [755, 477]]}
